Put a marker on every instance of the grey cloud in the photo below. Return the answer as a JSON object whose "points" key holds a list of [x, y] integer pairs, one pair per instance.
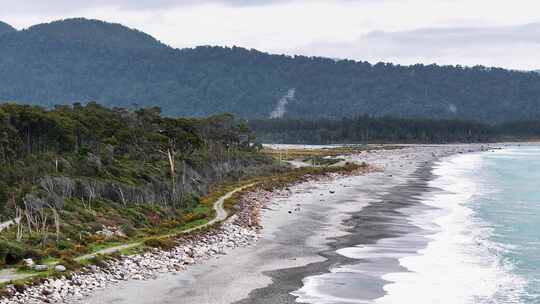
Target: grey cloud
{"points": [[482, 45], [452, 36], [67, 6]]}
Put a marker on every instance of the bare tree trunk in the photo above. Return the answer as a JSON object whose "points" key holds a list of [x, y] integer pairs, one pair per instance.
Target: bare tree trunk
{"points": [[44, 230], [122, 195], [91, 196], [56, 224], [183, 180], [28, 220], [19, 226], [173, 174]]}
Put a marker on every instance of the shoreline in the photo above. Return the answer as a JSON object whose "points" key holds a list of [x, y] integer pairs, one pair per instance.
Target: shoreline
{"points": [[301, 235], [377, 220], [288, 246], [230, 231]]}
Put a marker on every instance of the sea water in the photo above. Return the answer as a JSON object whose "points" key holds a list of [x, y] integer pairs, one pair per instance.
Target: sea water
{"points": [[478, 239], [486, 243]]}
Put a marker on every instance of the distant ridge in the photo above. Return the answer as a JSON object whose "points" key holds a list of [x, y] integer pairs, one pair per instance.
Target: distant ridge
{"points": [[95, 32], [81, 60], [6, 28]]}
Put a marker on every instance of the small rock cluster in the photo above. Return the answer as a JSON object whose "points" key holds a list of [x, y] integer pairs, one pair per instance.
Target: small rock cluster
{"points": [[111, 232], [249, 207], [30, 264]]}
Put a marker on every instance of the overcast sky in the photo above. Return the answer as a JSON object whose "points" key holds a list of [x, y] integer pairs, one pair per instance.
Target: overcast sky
{"points": [[468, 32]]}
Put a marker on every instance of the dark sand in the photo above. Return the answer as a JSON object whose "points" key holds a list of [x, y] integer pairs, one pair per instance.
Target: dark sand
{"points": [[378, 220]]}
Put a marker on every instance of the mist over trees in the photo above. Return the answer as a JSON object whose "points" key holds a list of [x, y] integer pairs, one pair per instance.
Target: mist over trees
{"points": [[79, 60]]}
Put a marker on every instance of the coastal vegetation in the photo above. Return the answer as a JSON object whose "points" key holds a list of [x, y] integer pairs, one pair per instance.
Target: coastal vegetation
{"points": [[154, 225], [83, 60], [76, 179], [84, 180]]}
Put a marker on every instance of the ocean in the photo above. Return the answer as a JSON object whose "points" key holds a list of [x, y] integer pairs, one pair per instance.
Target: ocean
{"points": [[478, 238]]}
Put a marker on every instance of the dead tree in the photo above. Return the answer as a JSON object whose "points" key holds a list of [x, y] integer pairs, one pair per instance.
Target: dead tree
{"points": [[169, 150]]}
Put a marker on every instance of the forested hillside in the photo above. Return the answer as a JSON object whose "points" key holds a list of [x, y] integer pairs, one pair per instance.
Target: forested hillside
{"points": [[5, 28], [85, 60]]}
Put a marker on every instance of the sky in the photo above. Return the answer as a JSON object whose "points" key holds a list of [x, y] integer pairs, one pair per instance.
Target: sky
{"points": [[494, 33]]}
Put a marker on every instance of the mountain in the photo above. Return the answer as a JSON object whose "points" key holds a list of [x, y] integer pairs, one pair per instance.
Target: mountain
{"points": [[6, 28], [94, 33], [80, 60]]}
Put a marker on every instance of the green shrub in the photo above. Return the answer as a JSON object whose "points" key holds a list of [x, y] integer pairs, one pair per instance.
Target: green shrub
{"points": [[10, 253], [70, 264], [99, 261], [19, 287], [34, 254], [165, 243], [64, 245]]}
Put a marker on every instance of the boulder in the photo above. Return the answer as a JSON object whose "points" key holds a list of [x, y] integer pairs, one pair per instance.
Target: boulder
{"points": [[59, 268], [28, 262], [40, 267]]}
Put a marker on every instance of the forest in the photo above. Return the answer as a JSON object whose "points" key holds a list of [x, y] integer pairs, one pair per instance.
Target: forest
{"points": [[365, 129], [124, 156], [82, 168], [80, 60]]}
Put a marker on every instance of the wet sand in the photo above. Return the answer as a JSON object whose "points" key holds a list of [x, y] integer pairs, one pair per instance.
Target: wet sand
{"points": [[297, 245]]}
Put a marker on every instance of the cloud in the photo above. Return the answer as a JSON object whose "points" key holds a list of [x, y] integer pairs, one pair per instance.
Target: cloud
{"points": [[510, 46], [401, 31], [67, 6]]}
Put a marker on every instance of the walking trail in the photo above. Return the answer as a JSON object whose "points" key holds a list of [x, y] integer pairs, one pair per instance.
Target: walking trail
{"points": [[10, 274]]}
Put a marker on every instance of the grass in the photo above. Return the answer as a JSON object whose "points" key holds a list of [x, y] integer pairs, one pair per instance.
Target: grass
{"points": [[322, 161], [100, 246], [300, 154], [133, 250]]}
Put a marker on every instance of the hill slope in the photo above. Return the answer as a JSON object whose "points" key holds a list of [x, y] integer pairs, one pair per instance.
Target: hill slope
{"points": [[84, 60], [5, 28]]}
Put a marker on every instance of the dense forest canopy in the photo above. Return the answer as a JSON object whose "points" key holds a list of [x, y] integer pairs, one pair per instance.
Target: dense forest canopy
{"points": [[70, 174], [92, 152], [79, 60], [365, 129]]}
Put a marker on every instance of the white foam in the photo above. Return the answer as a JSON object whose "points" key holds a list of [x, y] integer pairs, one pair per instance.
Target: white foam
{"points": [[460, 264], [311, 293]]}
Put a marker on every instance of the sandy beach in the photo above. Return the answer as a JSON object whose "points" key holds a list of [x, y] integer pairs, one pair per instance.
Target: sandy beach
{"points": [[301, 237]]}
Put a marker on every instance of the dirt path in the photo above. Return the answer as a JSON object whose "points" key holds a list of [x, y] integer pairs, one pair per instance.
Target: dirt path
{"points": [[221, 215], [7, 275]]}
